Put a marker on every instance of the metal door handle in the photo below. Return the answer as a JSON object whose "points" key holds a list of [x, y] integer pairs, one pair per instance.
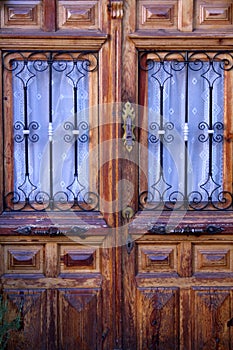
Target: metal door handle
{"points": [[128, 116]]}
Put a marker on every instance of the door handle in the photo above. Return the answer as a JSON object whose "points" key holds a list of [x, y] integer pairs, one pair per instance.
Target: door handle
{"points": [[128, 116]]}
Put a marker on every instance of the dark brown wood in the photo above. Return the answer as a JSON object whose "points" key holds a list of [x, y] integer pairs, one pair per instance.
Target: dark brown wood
{"points": [[97, 280], [1, 142], [49, 15]]}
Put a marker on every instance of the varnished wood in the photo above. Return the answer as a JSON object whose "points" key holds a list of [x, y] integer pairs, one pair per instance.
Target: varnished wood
{"points": [[50, 15], [172, 291], [1, 142], [185, 15]]}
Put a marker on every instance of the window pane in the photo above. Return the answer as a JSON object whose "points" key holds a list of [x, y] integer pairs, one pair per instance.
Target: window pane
{"points": [[51, 133], [185, 132]]}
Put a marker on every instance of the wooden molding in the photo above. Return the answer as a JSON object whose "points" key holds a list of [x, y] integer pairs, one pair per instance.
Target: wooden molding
{"points": [[117, 9], [179, 40], [81, 41]]}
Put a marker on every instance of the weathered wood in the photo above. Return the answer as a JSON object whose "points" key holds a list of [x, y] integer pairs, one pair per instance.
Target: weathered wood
{"points": [[80, 285], [50, 16], [185, 15]]}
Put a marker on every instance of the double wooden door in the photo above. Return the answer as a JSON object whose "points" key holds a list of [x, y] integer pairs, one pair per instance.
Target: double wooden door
{"points": [[116, 278]]}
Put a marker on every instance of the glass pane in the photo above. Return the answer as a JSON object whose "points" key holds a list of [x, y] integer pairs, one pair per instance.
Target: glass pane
{"points": [[51, 133], [185, 132]]}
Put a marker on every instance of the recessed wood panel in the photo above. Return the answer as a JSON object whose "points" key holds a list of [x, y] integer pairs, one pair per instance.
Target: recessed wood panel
{"points": [[74, 259], [157, 258], [157, 14], [30, 306], [15, 14], [211, 311], [213, 15], [23, 259], [78, 14], [212, 258], [158, 319], [78, 315]]}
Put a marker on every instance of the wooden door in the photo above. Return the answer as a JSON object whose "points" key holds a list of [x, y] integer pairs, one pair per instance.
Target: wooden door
{"points": [[112, 272], [177, 279]]}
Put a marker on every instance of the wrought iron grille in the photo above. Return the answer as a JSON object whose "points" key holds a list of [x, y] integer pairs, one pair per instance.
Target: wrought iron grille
{"points": [[179, 133], [64, 79]]}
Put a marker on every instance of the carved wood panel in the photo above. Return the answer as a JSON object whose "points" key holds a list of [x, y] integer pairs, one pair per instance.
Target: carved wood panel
{"points": [[78, 319], [212, 258], [78, 14], [211, 311], [21, 14], [24, 259], [157, 258], [158, 318], [217, 15], [157, 14], [76, 259], [30, 304]]}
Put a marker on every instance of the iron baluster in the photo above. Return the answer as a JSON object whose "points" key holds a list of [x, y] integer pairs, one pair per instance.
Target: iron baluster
{"points": [[51, 201], [186, 125]]}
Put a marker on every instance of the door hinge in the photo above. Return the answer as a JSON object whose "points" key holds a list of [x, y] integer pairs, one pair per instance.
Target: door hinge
{"points": [[187, 230], [52, 231]]}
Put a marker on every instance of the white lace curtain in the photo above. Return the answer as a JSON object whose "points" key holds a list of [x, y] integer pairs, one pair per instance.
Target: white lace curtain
{"points": [[49, 96], [185, 97]]}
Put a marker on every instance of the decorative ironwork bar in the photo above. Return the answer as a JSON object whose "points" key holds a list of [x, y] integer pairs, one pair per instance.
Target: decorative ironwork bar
{"points": [[161, 131], [210, 128], [51, 202], [186, 121], [76, 139], [26, 135]]}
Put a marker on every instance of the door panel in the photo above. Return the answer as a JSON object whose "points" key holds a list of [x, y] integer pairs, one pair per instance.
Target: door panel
{"points": [[158, 318], [60, 289], [79, 312], [30, 304], [211, 311]]}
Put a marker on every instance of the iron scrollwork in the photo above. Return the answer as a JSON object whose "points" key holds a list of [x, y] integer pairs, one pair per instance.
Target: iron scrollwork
{"points": [[26, 68], [162, 68]]}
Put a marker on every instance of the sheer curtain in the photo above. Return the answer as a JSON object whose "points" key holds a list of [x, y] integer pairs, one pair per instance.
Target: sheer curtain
{"points": [[182, 94], [45, 97]]}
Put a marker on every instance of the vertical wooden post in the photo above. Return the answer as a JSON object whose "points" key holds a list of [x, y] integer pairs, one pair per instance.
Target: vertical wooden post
{"points": [[1, 141], [109, 139], [49, 12], [185, 15], [129, 168]]}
